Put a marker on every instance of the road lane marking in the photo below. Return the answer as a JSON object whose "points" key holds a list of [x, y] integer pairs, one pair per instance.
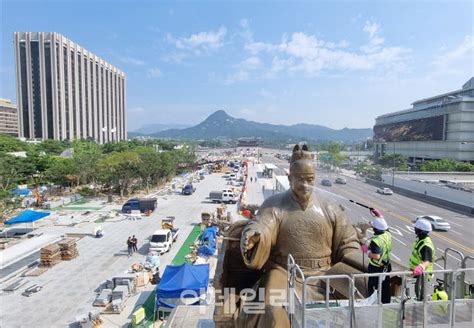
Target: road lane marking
{"points": [[383, 208], [458, 233], [401, 242], [439, 249], [459, 225], [403, 229], [396, 257], [395, 230]]}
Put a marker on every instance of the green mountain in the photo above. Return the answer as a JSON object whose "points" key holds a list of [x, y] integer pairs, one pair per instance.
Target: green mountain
{"points": [[221, 125]]}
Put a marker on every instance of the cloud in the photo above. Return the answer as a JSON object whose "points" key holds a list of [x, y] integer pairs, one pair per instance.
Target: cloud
{"points": [[455, 61], [251, 63], [131, 61], [375, 41], [200, 41], [155, 72], [309, 54], [237, 77]]}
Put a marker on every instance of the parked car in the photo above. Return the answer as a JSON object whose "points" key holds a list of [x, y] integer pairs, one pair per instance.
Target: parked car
{"points": [[385, 191], [225, 196], [326, 182], [437, 223], [162, 240], [341, 180], [188, 189], [142, 204]]}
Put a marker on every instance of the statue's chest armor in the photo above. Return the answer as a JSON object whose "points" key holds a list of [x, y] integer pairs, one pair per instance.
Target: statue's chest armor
{"points": [[303, 233]]}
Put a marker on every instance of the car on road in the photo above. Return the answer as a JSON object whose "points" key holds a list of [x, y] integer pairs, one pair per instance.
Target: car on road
{"points": [[341, 180], [326, 182], [385, 191], [437, 223]]}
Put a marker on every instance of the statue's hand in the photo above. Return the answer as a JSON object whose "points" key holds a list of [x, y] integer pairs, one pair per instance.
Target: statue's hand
{"points": [[249, 239]]}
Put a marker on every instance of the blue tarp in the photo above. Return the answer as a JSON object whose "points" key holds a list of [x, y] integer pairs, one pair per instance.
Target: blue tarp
{"points": [[208, 239], [27, 216], [193, 279], [21, 192]]}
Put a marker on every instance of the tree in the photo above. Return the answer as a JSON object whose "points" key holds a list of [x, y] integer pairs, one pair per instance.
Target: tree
{"points": [[446, 165], [397, 161], [14, 170], [464, 167], [85, 159], [61, 171], [148, 170], [11, 144], [53, 147], [119, 170]]}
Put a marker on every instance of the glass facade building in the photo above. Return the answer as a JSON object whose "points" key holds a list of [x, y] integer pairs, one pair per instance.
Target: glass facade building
{"points": [[439, 127], [66, 92]]}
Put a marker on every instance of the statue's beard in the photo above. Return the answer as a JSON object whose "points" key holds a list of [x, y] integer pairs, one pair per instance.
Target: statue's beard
{"points": [[303, 198]]}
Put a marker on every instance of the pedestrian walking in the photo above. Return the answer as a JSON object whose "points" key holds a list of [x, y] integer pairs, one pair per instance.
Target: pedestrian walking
{"points": [[379, 251], [263, 189], [423, 253], [129, 246], [134, 243], [251, 179], [255, 180]]}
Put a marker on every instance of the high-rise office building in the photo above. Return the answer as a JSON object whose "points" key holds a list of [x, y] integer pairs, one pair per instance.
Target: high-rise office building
{"points": [[8, 117], [439, 127], [66, 92]]}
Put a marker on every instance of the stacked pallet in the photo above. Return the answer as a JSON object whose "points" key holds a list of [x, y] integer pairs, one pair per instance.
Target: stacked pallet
{"points": [[68, 249], [50, 255]]}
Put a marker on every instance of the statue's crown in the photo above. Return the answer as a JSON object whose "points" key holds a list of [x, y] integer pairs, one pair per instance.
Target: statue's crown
{"points": [[301, 153]]}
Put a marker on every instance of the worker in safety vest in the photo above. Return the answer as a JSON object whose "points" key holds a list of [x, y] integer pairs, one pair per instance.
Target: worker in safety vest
{"points": [[423, 254], [379, 251]]}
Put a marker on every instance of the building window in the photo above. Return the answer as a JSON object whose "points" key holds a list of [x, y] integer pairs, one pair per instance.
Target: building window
{"points": [[36, 90], [73, 95], [66, 92], [79, 81], [24, 91], [49, 89], [58, 82]]}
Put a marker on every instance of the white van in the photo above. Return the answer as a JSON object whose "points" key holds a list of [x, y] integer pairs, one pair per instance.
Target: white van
{"points": [[229, 197], [232, 176], [161, 241]]}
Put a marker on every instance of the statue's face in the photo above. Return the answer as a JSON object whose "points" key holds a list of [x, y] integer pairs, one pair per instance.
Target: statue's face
{"points": [[302, 178]]}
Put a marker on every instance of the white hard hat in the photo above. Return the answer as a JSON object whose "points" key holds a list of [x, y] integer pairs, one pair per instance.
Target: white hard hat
{"points": [[423, 224], [379, 224]]}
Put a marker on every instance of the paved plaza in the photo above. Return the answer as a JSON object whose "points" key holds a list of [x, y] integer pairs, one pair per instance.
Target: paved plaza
{"points": [[69, 287]]}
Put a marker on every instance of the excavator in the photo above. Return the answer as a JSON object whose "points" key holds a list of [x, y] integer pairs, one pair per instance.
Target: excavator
{"points": [[39, 198]]}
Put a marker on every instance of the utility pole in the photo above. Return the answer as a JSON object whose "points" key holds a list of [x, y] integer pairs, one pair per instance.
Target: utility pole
{"points": [[393, 165]]}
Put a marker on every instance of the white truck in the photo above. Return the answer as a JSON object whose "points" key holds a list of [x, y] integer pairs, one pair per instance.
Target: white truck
{"points": [[162, 240], [226, 196]]}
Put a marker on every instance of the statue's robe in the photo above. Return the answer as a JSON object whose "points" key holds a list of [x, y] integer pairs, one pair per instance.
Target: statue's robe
{"points": [[318, 237]]}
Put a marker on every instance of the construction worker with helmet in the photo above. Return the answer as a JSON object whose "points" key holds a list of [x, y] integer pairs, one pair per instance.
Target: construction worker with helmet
{"points": [[379, 251], [423, 253]]}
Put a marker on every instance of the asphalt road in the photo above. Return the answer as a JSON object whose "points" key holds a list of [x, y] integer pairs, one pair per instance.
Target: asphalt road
{"points": [[399, 212]]}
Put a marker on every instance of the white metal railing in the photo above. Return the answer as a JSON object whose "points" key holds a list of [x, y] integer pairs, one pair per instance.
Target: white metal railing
{"points": [[304, 312]]}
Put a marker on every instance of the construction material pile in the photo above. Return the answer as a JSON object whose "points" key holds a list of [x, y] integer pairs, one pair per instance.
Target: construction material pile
{"points": [[68, 249], [50, 255]]}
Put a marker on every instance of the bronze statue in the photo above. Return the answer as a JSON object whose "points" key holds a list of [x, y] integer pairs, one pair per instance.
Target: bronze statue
{"points": [[316, 233]]}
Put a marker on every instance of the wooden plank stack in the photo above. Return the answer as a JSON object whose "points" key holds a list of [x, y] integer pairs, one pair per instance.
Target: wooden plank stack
{"points": [[68, 249], [50, 255]]}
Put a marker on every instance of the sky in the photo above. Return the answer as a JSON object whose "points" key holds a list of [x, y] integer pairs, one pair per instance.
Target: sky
{"points": [[334, 63]]}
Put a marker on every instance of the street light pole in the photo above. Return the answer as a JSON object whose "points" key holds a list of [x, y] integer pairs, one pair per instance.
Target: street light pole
{"points": [[393, 165]]}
